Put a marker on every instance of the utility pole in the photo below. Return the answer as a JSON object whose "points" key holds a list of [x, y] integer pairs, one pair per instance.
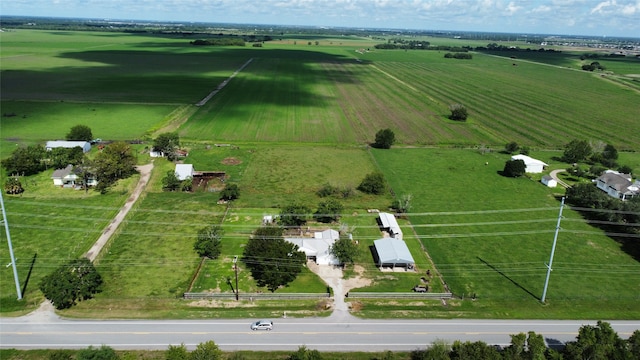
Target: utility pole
{"points": [[553, 250], [235, 266], [13, 259]]}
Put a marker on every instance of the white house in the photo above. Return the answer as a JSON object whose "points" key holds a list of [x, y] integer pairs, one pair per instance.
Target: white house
{"points": [[531, 165], [67, 178], [549, 181], [389, 224], [184, 171], [318, 248], [618, 185], [85, 145]]}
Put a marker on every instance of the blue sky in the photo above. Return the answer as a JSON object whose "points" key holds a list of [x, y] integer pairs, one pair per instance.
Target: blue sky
{"points": [[572, 17]]}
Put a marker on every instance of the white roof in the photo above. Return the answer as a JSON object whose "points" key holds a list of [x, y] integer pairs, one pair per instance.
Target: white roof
{"points": [[528, 160], [318, 246], [184, 171], [389, 222], [85, 145]]}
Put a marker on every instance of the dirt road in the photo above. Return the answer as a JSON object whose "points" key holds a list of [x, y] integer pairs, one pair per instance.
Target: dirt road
{"points": [[145, 174]]}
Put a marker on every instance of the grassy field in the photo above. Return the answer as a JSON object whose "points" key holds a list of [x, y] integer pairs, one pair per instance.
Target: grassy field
{"points": [[293, 120]]}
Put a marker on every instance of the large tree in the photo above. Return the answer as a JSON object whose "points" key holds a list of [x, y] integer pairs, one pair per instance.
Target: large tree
{"points": [[72, 282], [597, 342], [373, 184], [206, 351], [294, 215], [209, 242], [328, 211], [514, 168], [576, 151], [458, 112], [80, 133], [273, 261], [345, 250], [115, 162], [25, 161], [168, 143], [384, 139], [170, 182]]}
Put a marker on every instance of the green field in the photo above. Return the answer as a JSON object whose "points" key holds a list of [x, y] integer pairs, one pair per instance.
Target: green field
{"points": [[296, 118]]}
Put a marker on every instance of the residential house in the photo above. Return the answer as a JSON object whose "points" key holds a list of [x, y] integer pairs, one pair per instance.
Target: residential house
{"points": [[618, 185], [67, 178], [532, 165], [318, 248]]}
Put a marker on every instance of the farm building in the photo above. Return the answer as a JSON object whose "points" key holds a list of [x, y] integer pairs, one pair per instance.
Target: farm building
{"points": [[318, 248], [531, 165], [618, 185], [67, 178], [392, 253], [85, 145], [549, 181], [389, 224], [184, 171]]}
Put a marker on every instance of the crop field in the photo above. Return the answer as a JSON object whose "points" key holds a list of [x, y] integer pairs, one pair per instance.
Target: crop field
{"points": [[297, 118]]}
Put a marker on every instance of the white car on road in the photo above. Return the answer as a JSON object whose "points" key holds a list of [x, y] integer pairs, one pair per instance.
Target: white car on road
{"points": [[262, 325]]}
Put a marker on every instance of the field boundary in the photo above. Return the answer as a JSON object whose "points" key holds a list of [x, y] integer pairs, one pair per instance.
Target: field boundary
{"points": [[397, 295], [223, 84], [254, 296]]}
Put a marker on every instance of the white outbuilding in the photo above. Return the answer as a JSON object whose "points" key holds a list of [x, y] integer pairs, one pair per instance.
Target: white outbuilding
{"points": [[532, 165], [184, 171], [549, 181], [85, 145]]}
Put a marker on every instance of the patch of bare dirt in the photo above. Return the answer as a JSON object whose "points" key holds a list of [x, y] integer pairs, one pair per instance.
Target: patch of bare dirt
{"points": [[231, 161]]}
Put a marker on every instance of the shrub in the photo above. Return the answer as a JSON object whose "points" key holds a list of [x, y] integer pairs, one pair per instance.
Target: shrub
{"points": [[458, 112], [373, 184]]}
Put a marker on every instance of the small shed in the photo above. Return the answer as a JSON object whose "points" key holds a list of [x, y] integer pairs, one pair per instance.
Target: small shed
{"points": [[549, 181], [184, 171], [392, 253], [85, 145], [532, 165]]}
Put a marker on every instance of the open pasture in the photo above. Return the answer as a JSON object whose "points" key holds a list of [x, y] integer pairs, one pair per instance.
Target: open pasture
{"points": [[491, 236], [47, 231]]}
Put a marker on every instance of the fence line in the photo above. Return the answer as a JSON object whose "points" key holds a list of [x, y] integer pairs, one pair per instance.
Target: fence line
{"points": [[311, 296], [255, 296], [397, 295]]}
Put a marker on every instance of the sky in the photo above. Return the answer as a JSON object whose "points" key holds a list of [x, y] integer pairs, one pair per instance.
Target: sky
{"points": [[569, 17]]}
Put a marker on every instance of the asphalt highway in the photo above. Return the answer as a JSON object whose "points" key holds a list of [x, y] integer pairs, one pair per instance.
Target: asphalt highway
{"points": [[324, 334]]}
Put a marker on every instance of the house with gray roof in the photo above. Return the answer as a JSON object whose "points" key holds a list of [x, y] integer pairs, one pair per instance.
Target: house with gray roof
{"points": [[618, 185]]}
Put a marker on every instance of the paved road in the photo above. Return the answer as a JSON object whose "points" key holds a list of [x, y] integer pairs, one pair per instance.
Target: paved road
{"points": [[324, 334]]}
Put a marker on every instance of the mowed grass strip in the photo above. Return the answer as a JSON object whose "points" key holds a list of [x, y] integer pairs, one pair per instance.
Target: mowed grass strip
{"points": [[491, 236]]}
